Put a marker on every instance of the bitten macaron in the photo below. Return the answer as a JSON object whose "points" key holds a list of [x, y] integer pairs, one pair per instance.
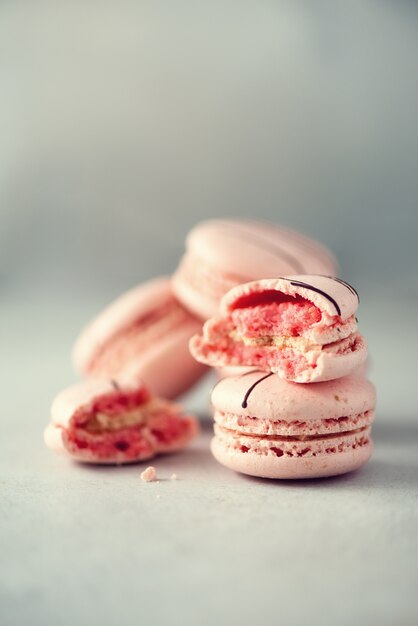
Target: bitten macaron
{"points": [[223, 253], [116, 421], [142, 335], [301, 327], [271, 428]]}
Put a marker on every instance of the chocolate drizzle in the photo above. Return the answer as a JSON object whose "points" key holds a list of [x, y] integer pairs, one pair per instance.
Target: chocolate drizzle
{"points": [[349, 287], [114, 384], [253, 386], [342, 282], [297, 283]]}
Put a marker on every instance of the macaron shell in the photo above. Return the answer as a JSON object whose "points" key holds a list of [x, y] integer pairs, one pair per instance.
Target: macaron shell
{"points": [[83, 393], [121, 313], [329, 294], [258, 249], [56, 440], [267, 427], [331, 365], [321, 365], [274, 467], [223, 253], [167, 367], [53, 438], [196, 300], [275, 399], [229, 372]]}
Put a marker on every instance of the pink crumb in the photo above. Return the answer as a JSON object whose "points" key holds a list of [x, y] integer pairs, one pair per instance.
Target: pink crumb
{"points": [[149, 475], [276, 318]]}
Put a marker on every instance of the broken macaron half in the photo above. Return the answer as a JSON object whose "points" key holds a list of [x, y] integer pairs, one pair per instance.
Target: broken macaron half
{"points": [[116, 421], [301, 327]]}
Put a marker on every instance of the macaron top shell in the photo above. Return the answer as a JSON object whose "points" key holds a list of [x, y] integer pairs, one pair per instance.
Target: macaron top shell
{"points": [[83, 394], [329, 294], [251, 249], [268, 397]]}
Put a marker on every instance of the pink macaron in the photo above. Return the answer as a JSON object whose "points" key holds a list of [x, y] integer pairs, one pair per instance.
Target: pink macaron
{"points": [[223, 253], [143, 335], [268, 427], [301, 327], [116, 421]]}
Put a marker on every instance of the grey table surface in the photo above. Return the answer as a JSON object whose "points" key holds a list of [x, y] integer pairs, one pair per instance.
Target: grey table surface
{"points": [[97, 545]]}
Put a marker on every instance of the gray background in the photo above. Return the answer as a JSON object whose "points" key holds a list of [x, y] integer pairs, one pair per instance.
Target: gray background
{"points": [[122, 124]]}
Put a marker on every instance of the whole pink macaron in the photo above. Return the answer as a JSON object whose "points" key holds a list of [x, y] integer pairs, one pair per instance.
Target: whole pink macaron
{"points": [[116, 421], [223, 253], [301, 327], [267, 427], [143, 335]]}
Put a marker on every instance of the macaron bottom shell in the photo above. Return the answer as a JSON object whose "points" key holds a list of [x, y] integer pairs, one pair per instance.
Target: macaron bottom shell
{"points": [[269, 465], [332, 362], [126, 446]]}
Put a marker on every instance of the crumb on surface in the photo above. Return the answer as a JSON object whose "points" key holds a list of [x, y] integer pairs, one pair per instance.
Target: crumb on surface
{"points": [[149, 475], [173, 477]]}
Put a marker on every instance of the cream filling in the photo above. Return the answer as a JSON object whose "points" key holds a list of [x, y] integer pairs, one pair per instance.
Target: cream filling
{"points": [[312, 339], [100, 422], [299, 343]]}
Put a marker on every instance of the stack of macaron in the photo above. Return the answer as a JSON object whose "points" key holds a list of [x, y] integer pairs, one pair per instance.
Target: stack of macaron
{"points": [[134, 356], [302, 408]]}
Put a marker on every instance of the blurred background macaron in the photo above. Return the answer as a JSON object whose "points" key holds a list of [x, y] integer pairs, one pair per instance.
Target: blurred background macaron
{"points": [[223, 253], [143, 335]]}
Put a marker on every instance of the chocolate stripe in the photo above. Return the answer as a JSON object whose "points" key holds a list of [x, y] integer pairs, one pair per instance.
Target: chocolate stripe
{"points": [[253, 386], [297, 283], [342, 282], [350, 287], [240, 376]]}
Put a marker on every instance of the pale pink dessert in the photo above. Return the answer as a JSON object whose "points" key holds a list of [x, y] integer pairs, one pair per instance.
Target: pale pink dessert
{"points": [[268, 427], [143, 335], [301, 327], [116, 421], [223, 253], [149, 475]]}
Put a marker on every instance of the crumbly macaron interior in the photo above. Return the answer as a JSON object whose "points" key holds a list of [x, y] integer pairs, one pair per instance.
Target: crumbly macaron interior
{"points": [[291, 356], [271, 314], [275, 332], [130, 424]]}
